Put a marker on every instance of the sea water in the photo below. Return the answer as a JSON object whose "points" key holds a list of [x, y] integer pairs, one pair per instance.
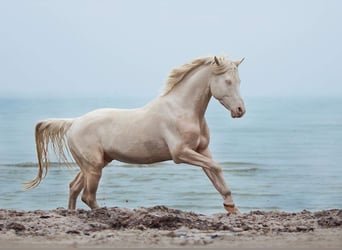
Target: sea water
{"points": [[284, 154]]}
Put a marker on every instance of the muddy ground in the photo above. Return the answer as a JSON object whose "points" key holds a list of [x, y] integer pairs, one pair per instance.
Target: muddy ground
{"points": [[176, 226]]}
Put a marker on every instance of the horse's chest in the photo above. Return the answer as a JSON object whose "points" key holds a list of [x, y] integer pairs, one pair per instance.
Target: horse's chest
{"points": [[195, 138]]}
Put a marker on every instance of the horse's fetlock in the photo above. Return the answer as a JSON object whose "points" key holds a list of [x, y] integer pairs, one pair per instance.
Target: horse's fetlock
{"points": [[228, 193]]}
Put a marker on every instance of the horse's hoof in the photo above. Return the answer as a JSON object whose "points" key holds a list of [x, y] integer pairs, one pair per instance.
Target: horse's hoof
{"points": [[231, 208]]}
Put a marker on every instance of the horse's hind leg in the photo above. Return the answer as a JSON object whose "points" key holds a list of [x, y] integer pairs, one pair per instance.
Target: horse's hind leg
{"points": [[76, 187], [91, 182], [91, 161]]}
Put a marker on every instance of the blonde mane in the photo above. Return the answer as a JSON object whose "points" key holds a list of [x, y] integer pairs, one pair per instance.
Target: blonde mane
{"points": [[179, 73]]}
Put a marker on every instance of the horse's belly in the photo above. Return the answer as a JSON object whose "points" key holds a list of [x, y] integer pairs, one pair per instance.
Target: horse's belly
{"points": [[140, 152]]}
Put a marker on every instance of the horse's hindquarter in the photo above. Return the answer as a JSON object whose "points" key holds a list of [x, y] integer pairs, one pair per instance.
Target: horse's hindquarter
{"points": [[132, 136]]}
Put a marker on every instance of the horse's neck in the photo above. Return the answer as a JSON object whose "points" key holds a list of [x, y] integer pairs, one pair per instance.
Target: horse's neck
{"points": [[193, 93]]}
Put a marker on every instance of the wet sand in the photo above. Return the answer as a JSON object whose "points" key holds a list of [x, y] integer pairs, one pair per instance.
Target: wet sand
{"points": [[161, 226]]}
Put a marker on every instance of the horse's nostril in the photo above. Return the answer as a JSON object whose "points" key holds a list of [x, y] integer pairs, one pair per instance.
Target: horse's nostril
{"points": [[239, 109]]}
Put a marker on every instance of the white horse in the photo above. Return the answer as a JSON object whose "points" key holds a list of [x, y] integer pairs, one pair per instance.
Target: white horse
{"points": [[170, 127]]}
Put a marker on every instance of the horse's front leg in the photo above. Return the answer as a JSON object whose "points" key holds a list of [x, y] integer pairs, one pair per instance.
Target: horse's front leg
{"points": [[219, 183], [213, 171]]}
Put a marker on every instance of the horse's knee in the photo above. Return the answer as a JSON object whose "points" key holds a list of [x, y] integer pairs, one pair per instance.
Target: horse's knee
{"points": [[217, 168]]}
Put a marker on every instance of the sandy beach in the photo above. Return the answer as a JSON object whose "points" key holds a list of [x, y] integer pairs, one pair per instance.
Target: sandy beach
{"points": [[161, 226]]}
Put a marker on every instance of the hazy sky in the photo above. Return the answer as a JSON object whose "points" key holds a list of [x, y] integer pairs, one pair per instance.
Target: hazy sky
{"points": [[111, 48]]}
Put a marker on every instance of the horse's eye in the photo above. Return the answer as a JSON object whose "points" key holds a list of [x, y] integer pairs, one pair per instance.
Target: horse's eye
{"points": [[229, 82]]}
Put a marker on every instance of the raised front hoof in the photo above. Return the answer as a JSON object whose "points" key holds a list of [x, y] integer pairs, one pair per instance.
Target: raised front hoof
{"points": [[231, 208]]}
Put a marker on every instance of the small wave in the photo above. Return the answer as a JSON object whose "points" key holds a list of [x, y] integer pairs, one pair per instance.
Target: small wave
{"points": [[238, 163], [239, 167], [33, 164], [242, 170], [22, 164], [249, 195]]}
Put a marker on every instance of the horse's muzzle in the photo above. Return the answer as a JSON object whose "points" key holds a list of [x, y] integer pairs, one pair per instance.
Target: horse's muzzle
{"points": [[238, 112]]}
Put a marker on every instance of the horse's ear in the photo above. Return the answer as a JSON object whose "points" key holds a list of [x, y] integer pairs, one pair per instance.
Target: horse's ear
{"points": [[237, 63], [216, 61]]}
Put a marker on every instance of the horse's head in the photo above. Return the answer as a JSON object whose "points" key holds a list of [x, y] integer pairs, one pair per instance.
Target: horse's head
{"points": [[225, 85]]}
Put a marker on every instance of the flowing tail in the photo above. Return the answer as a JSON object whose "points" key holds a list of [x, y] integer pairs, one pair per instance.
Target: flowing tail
{"points": [[51, 131]]}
